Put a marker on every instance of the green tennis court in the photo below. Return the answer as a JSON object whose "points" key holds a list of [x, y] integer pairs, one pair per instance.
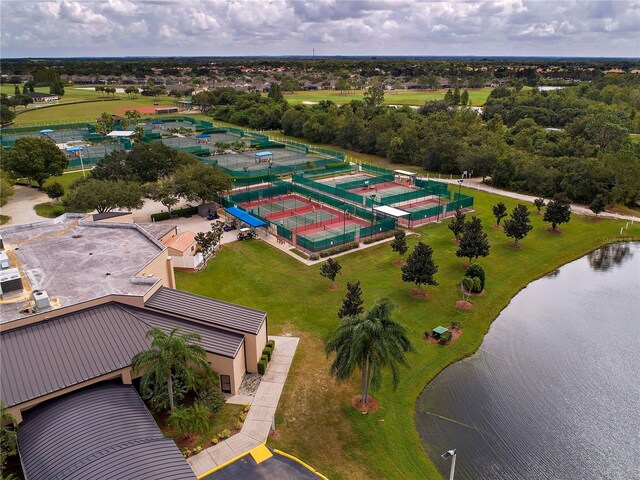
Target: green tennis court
{"points": [[284, 205], [333, 232], [296, 221]]}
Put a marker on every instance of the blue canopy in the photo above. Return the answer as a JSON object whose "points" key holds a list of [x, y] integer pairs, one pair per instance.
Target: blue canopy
{"points": [[46, 131], [264, 154], [203, 135], [245, 217], [157, 122], [74, 149]]}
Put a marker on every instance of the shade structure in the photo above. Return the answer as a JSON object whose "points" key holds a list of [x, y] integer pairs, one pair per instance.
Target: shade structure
{"points": [[245, 217]]}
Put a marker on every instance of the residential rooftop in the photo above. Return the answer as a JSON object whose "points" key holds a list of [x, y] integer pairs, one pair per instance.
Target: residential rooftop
{"points": [[76, 261]]}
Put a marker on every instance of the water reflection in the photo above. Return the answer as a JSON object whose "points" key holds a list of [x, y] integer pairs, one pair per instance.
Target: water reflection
{"points": [[609, 256], [553, 391]]}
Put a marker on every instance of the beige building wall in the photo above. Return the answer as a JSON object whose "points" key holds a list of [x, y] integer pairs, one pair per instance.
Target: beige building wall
{"points": [[254, 345], [160, 267], [170, 234], [234, 367]]}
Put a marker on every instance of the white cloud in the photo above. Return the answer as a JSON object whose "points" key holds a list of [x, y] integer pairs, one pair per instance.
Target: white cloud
{"points": [[376, 27]]}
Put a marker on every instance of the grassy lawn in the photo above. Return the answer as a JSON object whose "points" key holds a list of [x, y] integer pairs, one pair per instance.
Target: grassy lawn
{"points": [[4, 219], [315, 420], [45, 210], [391, 97], [87, 111], [65, 180]]}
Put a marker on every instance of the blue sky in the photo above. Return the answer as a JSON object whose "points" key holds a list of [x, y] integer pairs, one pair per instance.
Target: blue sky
{"points": [[331, 27]]}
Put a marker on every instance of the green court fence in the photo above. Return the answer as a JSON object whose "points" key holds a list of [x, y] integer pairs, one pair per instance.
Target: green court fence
{"points": [[460, 201], [331, 240]]}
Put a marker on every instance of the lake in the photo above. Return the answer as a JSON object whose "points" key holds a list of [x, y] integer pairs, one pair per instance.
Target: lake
{"points": [[553, 392]]}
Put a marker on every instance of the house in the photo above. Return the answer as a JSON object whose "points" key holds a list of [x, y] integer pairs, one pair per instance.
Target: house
{"points": [[42, 97], [83, 313], [183, 249]]}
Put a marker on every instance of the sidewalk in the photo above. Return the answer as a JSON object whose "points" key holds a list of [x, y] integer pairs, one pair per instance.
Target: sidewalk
{"points": [[255, 430], [476, 184]]}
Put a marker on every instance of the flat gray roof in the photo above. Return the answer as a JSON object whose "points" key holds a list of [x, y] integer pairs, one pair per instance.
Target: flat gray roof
{"points": [[50, 355], [157, 229], [78, 263], [209, 310], [101, 433]]}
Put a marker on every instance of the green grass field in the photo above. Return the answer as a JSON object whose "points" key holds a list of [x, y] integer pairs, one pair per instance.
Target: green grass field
{"points": [[315, 420], [392, 97]]}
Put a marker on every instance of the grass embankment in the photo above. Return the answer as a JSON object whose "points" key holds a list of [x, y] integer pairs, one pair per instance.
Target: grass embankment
{"points": [[477, 96], [315, 420]]}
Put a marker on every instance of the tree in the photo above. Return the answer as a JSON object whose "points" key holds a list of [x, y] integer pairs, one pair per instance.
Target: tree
{"points": [[36, 159], [372, 343], [539, 203], [8, 439], [6, 115], [518, 226], [163, 191], [133, 116], [104, 196], [202, 183], [56, 88], [448, 97], [473, 241], [171, 355], [598, 205], [352, 302], [190, 420], [330, 269], [105, 123], [499, 211], [16, 89], [558, 211], [6, 188], [275, 93], [399, 243], [420, 267], [373, 97], [457, 224], [464, 98], [54, 190], [207, 241], [456, 96]]}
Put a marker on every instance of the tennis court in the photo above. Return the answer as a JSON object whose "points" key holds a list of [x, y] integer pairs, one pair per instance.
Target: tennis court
{"points": [[280, 207], [419, 205], [246, 161], [382, 190], [337, 181]]}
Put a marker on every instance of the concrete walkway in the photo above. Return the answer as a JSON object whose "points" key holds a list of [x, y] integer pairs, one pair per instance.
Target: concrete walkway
{"points": [[476, 184], [255, 430], [20, 205]]}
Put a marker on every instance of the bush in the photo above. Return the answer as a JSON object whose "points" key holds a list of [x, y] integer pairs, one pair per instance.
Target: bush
{"points": [[476, 271], [265, 358], [226, 433], [213, 399], [339, 249], [158, 217], [262, 367], [444, 338], [182, 212], [427, 334], [457, 324], [314, 256], [238, 425], [377, 238], [267, 352], [272, 344], [54, 190], [299, 253], [57, 210]]}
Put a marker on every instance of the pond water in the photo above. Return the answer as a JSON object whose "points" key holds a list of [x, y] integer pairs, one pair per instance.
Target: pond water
{"points": [[553, 392]]}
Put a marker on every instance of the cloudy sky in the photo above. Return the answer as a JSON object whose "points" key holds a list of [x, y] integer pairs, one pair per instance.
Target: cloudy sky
{"points": [[331, 27]]}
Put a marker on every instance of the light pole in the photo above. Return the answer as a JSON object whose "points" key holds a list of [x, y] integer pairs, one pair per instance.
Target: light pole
{"points": [[269, 179], [451, 454], [459, 187], [373, 197], [344, 219], [438, 212]]}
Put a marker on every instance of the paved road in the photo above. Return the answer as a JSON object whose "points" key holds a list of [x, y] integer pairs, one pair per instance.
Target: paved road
{"points": [[476, 183]]}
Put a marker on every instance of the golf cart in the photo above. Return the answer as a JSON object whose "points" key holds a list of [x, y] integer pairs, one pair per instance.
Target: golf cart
{"points": [[230, 225], [246, 234]]}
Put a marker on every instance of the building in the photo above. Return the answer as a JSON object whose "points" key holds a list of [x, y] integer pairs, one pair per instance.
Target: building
{"points": [[42, 97], [83, 313]]}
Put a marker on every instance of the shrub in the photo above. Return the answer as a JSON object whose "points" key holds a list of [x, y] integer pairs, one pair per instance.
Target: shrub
{"points": [[54, 190], [213, 399], [427, 334], [377, 238], [238, 425], [181, 212], [339, 249], [215, 440], [57, 210], [226, 433], [158, 217], [197, 449], [299, 253], [314, 256], [262, 367], [186, 452], [272, 344], [457, 324], [444, 338], [476, 271], [243, 417], [265, 358], [267, 352], [246, 407]]}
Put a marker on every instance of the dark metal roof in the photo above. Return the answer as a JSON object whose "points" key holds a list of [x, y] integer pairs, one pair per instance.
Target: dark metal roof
{"points": [[209, 310], [54, 354], [104, 432], [214, 340]]}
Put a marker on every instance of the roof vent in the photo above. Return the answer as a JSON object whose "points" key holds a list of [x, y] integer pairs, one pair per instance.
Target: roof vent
{"points": [[41, 298]]}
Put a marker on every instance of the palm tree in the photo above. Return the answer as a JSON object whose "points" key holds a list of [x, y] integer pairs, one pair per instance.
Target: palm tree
{"points": [[8, 440], [171, 355], [372, 342]]}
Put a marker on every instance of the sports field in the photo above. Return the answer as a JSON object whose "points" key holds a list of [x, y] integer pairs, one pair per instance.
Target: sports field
{"points": [[391, 97]]}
